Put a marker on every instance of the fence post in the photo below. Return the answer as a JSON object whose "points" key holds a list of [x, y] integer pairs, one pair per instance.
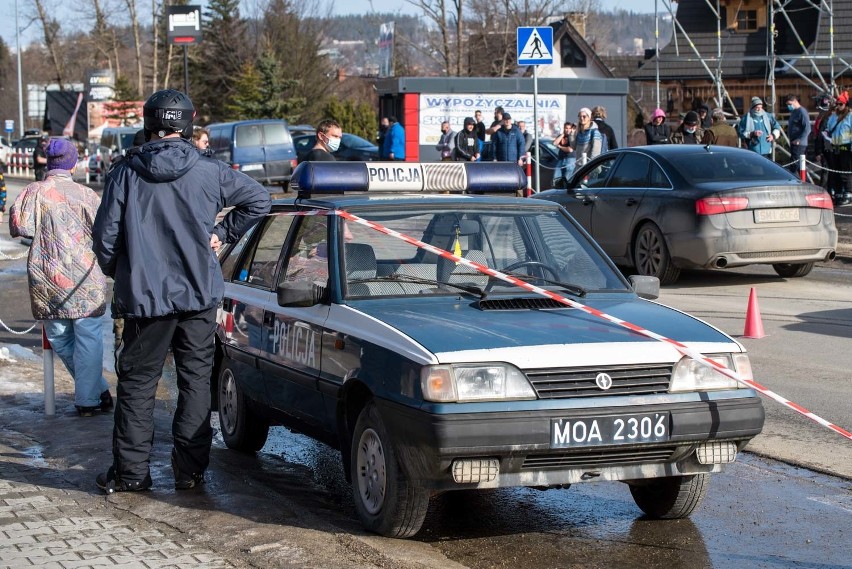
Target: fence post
{"points": [[49, 388], [803, 169], [528, 190]]}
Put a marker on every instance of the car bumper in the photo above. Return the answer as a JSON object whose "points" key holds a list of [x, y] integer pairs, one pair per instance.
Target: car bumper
{"points": [[719, 247], [432, 447]]}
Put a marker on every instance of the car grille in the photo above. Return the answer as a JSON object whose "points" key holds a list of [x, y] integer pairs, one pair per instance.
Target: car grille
{"points": [[775, 254], [520, 304], [598, 457], [567, 383]]}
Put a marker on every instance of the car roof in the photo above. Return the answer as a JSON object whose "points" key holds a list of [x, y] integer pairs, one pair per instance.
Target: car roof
{"points": [[247, 121], [124, 128]]}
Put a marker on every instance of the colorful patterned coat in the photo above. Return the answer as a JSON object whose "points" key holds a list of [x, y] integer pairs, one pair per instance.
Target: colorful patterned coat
{"points": [[64, 277]]}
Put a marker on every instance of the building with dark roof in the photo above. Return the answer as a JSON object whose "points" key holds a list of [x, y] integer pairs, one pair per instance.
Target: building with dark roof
{"points": [[732, 52]]}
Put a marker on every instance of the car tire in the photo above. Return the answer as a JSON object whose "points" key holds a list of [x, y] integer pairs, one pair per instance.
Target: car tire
{"points": [[672, 497], [387, 502], [651, 255], [242, 429], [792, 270]]}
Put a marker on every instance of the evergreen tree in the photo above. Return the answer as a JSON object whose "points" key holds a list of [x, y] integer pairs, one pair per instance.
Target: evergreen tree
{"points": [[125, 107], [357, 118], [247, 99], [224, 53]]}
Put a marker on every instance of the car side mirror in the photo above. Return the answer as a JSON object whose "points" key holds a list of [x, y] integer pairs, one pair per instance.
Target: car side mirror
{"points": [[645, 286], [300, 293]]}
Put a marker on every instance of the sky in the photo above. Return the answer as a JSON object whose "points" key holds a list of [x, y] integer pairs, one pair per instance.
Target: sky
{"points": [[7, 23]]}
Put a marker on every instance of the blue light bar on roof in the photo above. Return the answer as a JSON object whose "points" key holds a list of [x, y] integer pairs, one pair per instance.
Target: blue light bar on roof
{"points": [[341, 177]]}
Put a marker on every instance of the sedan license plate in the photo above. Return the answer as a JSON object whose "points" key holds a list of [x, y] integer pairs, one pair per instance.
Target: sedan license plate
{"points": [[611, 430], [776, 215]]}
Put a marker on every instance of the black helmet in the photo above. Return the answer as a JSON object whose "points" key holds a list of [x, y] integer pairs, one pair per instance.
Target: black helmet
{"points": [[168, 111]]}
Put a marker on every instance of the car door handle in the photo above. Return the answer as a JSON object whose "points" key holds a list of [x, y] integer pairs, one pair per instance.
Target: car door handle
{"points": [[268, 318], [630, 201], [586, 200]]}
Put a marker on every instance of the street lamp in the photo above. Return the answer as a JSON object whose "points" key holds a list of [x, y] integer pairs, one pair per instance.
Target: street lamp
{"points": [[20, 83]]}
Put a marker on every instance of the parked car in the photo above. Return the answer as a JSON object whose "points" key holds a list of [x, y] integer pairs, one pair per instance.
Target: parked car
{"points": [[297, 129], [431, 375], [115, 141], [665, 208], [549, 155], [262, 149], [352, 147], [26, 145]]}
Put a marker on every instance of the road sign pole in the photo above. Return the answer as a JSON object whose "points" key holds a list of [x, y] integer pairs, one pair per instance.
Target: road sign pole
{"points": [[186, 69], [535, 129]]}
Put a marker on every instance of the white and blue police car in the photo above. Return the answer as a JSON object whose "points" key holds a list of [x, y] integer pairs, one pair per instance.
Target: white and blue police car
{"points": [[366, 313]]}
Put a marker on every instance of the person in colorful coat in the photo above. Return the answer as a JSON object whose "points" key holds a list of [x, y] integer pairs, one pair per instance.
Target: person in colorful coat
{"points": [[759, 129], [67, 287]]}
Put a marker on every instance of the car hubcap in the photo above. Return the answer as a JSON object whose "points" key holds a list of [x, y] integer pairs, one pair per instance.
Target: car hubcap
{"points": [[228, 402], [648, 253], [371, 471]]}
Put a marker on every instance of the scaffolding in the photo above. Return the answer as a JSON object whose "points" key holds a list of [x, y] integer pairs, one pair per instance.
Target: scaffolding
{"points": [[777, 10]]}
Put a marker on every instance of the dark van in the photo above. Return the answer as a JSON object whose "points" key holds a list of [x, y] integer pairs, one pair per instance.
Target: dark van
{"points": [[263, 149]]}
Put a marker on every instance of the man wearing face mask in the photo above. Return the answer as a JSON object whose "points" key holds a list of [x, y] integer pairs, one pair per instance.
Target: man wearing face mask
{"points": [[328, 141], [759, 129], [689, 131], [798, 131]]}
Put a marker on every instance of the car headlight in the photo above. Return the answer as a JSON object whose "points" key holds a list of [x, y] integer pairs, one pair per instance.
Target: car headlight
{"points": [[692, 375], [475, 382]]}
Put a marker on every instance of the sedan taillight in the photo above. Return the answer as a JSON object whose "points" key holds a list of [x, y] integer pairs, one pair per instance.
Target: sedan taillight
{"points": [[821, 200], [712, 206]]}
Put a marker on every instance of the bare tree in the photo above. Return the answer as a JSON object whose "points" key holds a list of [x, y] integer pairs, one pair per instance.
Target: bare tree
{"points": [[492, 31], [51, 31], [137, 44], [447, 47]]}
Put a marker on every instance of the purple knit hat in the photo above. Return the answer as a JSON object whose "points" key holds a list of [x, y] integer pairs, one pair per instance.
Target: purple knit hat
{"points": [[61, 154]]}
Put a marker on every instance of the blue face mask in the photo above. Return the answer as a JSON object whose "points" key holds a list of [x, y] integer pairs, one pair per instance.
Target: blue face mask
{"points": [[790, 107]]}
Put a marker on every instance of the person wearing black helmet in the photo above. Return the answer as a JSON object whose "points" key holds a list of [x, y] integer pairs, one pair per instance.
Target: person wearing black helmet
{"points": [[156, 235]]}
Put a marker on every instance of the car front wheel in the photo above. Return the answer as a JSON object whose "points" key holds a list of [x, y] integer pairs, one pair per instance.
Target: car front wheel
{"points": [[670, 498], [241, 429], [792, 270], [387, 502], [651, 255]]}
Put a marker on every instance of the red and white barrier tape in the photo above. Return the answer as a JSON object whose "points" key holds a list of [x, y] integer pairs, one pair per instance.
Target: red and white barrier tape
{"points": [[683, 349]]}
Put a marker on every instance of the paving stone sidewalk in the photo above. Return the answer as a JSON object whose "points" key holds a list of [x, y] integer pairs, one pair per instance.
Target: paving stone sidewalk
{"points": [[47, 524]]}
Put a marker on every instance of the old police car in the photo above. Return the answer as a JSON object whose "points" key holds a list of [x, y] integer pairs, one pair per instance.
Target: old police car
{"points": [[350, 317]]}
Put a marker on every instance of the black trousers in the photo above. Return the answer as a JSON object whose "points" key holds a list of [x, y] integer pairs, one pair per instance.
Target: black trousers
{"points": [[139, 365]]}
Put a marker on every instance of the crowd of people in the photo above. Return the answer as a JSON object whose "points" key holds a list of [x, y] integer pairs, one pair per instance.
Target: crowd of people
{"points": [[759, 131]]}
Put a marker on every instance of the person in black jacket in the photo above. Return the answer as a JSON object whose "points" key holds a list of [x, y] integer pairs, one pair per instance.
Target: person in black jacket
{"points": [[154, 234], [657, 131], [599, 116], [467, 143]]}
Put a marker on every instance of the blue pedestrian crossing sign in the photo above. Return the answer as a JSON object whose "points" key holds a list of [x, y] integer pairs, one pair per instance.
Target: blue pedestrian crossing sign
{"points": [[535, 45]]}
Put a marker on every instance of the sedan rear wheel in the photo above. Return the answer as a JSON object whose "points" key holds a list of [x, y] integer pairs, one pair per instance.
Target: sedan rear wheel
{"points": [[671, 498], [792, 270], [651, 255], [241, 428]]}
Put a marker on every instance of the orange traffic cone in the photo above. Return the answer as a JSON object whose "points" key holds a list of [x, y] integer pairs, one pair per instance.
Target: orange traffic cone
{"points": [[753, 323]]}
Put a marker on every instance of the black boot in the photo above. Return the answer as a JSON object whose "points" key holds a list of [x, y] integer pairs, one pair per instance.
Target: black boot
{"points": [[109, 482]]}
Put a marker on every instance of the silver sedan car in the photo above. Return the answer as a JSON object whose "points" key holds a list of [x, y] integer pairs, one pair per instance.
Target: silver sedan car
{"points": [[670, 207]]}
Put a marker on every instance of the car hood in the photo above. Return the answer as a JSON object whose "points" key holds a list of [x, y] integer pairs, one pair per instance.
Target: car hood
{"points": [[442, 327]]}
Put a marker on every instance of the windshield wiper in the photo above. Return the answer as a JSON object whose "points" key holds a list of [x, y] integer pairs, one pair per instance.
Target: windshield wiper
{"points": [[574, 289], [398, 278]]}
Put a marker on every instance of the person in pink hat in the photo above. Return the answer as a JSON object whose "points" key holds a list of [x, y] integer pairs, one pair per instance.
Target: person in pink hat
{"points": [[657, 131]]}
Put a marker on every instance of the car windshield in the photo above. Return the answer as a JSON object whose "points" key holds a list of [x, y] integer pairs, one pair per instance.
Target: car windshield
{"points": [[539, 246], [353, 141], [706, 166]]}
